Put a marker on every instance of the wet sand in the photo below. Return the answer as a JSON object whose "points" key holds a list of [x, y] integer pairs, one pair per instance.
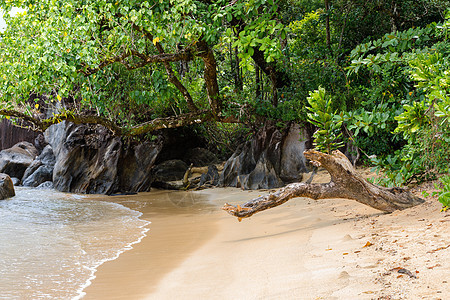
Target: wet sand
{"points": [[303, 249]]}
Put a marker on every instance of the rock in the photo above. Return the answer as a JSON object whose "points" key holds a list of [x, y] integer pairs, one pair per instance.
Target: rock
{"points": [[135, 165], [6, 187], [48, 185], [47, 157], [86, 158], [16, 181], [35, 164], [41, 169], [293, 163], [271, 159], [200, 157], [40, 143], [169, 170], [15, 160], [262, 177], [90, 160], [42, 174], [211, 177], [176, 142]]}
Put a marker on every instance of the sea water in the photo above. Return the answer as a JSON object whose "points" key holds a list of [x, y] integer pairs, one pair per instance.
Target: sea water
{"points": [[52, 243]]}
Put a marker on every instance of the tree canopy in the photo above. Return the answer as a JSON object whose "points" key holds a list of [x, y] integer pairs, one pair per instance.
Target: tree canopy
{"points": [[120, 59], [369, 73]]}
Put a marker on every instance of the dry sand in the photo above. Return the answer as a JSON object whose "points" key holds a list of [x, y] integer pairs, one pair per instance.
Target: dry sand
{"points": [[303, 249]]}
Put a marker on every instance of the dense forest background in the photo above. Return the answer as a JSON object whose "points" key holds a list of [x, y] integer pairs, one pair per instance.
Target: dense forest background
{"points": [[370, 73]]}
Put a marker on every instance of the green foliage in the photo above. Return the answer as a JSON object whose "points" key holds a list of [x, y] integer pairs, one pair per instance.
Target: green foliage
{"points": [[261, 31], [310, 36], [444, 193], [328, 137], [59, 40]]}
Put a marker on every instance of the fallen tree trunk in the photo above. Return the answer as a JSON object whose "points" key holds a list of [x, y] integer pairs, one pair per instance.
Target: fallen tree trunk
{"points": [[345, 183]]}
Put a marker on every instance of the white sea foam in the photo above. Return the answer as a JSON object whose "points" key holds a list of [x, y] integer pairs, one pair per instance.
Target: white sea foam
{"points": [[80, 291], [51, 244]]}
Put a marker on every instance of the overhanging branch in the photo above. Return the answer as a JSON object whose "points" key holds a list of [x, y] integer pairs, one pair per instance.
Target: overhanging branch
{"points": [[150, 126], [345, 183], [144, 60]]}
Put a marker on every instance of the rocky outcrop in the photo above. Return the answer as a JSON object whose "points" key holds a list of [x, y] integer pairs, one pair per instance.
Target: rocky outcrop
{"points": [[169, 170], [41, 169], [6, 187], [211, 177], [271, 159], [90, 160], [200, 157], [135, 166], [292, 161], [15, 160], [45, 185]]}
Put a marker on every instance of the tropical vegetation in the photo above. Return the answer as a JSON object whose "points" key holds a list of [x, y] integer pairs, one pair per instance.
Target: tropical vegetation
{"points": [[371, 73]]}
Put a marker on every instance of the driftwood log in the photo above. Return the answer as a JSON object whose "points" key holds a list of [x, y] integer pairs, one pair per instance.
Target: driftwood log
{"points": [[345, 183]]}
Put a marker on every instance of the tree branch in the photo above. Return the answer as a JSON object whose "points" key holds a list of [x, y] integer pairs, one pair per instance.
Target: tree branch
{"points": [[184, 55], [345, 183], [20, 115], [150, 126], [172, 78]]}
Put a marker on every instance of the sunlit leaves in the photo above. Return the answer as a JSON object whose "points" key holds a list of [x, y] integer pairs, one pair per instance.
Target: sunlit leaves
{"points": [[328, 137]]}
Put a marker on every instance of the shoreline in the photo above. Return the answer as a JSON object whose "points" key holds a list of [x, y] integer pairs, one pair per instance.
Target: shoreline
{"points": [[304, 249]]}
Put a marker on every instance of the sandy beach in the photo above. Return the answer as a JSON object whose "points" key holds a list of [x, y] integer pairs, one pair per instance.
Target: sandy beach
{"points": [[304, 249]]}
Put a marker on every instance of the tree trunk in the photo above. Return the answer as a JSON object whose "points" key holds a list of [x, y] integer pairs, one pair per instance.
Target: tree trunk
{"points": [[257, 82], [210, 75], [345, 183], [327, 25]]}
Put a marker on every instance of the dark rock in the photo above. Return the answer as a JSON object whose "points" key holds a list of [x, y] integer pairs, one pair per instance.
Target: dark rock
{"points": [[6, 187], [47, 157], [40, 143], [176, 142], [293, 163], [31, 169], [86, 158], [211, 177], [271, 159], [41, 169], [15, 160], [169, 170], [262, 177], [42, 174], [90, 160], [48, 185], [200, 157], [135, 165]]}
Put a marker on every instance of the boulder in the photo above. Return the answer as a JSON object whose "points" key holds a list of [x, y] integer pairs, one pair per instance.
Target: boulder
{"points": [[89, 159], [211, 177], [293, 162], [200, 157], [41, 169], [16, 181], [272, 158], [262, 177], [15, 160], [48, 185], [86, 158], [169, 170], [6, 187], [42, 174], [135, 166]]}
